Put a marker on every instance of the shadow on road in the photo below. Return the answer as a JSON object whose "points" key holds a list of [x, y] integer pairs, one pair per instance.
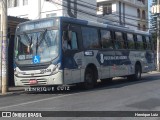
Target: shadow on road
{"points": [[116, 83]]}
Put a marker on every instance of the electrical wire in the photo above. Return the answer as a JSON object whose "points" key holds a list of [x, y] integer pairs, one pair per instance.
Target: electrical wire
{"points": [[84, 12], [95, 8], [110, 20]]}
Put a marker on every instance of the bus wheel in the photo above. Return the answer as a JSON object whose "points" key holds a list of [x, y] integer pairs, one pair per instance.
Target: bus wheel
{"points": [[138, 72], [89, 81], [137, 75]]}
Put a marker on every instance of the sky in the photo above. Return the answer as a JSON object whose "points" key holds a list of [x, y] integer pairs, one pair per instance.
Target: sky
{"points": [[149, 8]]}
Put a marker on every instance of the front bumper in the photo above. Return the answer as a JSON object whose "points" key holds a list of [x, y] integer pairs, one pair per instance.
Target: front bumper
{"points": [[56, 79]]}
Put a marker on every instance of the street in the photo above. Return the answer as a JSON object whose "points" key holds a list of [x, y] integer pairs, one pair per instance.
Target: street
{"points": [[120, 95]]}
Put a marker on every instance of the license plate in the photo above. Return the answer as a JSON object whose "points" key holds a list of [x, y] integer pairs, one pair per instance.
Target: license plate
{"points": [[34, 81]]}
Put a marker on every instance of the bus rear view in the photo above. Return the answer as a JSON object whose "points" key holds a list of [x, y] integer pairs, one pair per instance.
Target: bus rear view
{"points": [[37, 53]]}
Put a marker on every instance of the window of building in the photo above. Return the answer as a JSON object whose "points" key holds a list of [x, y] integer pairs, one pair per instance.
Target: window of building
{"points": [[16, 3], [130, 39], [9, 3], [138, 13], [106, 39], [143, 1], [99, 8], [25, 2], [90, 37], [107, 9], [13, 3], [119, 41], [144, 28], [143, 14], [139, 26]]}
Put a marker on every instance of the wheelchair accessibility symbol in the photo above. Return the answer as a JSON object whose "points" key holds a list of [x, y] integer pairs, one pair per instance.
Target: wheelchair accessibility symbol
{"points": [[36, 59]]}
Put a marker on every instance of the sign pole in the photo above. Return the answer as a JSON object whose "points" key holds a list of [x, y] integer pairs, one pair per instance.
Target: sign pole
{"points": [[4, 59]]}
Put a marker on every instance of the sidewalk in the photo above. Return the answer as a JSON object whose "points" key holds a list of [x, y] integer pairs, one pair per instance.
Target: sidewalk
{"points": [[153, 72], [14, 90]]}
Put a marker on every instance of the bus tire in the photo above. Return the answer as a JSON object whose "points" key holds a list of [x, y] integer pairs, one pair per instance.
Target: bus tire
{"points": [[89, 79], [137, 75]]}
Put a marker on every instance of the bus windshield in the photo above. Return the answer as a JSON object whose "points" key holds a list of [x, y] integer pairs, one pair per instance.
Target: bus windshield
{"points": [[41, 43]]}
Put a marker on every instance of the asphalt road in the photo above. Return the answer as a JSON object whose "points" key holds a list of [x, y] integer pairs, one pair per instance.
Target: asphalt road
{"points": [[120, 95]]}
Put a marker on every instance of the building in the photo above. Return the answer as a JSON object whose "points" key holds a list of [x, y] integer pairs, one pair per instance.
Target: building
{"points": [[35, 9], [155, 10], [130, 13]]}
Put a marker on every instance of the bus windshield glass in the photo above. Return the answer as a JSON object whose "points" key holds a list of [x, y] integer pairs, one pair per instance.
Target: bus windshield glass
{"points": [[43, 44]]}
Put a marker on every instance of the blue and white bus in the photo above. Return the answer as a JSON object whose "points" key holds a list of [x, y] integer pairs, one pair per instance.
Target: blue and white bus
{"points": [[62, 51]]}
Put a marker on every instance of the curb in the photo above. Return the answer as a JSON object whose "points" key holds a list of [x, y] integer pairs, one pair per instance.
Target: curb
{"points": [[153, 72], [12, 93]]}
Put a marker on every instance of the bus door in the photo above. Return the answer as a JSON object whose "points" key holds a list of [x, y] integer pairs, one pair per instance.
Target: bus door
{"points": [[73, 56]]}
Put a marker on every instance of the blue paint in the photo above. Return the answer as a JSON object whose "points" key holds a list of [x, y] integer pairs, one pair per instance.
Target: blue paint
{"points": [[36, 59], [74, 20]]}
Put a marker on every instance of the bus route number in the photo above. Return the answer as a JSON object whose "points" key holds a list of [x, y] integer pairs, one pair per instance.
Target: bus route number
{"points": [[45, 71]]}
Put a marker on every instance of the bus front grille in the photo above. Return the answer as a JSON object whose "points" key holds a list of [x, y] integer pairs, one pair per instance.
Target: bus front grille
{"points": [[41, 81], [34, 67]]}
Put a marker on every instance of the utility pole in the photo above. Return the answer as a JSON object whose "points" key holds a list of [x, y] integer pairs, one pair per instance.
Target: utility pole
{"points": [[4, 60], [158, 38], [39, 9]]}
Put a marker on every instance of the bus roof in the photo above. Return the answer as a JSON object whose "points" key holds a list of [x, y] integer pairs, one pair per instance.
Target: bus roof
{"points": [[91, 23], [102, 25]]}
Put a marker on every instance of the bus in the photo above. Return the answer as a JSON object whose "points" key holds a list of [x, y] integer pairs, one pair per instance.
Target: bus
{"points": [[64, 51]]}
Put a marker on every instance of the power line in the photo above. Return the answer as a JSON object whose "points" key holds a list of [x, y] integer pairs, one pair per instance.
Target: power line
{"points": [[95, 8], [104, 18], [84, 12]]}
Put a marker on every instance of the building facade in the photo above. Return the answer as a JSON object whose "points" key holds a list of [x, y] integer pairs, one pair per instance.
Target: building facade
{"points": [[35, 9], [129, 13], [155, 10]]}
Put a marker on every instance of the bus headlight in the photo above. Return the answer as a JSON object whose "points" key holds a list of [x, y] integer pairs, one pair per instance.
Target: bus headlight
{"points": [[15, 72], [55, 69]]}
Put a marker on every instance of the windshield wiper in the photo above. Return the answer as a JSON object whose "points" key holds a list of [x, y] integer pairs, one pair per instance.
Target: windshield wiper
{"points": [[42, 37], [26, 36], [40, 40], [28, 39]]}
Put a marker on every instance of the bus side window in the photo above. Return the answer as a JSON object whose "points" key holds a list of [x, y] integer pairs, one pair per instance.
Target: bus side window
{"points": [[130, 40], [106, 39], [119, 41], [90, 38], [125, 40], [65, 41], [74, 43], [148, 43], [140, 44]]}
